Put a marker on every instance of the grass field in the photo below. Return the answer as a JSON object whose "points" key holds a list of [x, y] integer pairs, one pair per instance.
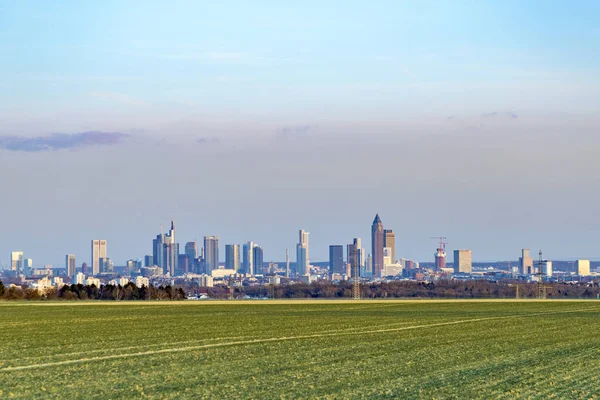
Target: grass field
{"points": [[328, 349]]}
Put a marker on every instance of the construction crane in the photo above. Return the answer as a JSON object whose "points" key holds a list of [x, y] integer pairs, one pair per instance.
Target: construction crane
{"points": [[440, 254]]}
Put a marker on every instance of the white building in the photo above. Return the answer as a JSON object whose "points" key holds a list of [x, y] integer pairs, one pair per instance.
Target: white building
{"points": [[142, 281], [58, 282], [205, 281], [92, 281], [583, 267], [70, 264], [98, 252], [79, 279], [392, 269], [547, 267], [463, 261], [302, 255], [16, 262], [42, 284], [221, 273], [123, 281]]}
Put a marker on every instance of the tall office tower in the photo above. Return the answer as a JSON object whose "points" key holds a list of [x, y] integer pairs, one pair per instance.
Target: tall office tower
{"points": [[211, 253], [84, 268], [336, 259], [389, 241], [377, 246], [248, 262], [158, 250], [16, 262], [183, 264], [70, 265], [106, 265], [287, 263], [191, 252], [27, 266], [98, 252], [583, 267], [355, 255], [526, 263], [148, 260], [232, 257], [171, 252], [257, 256], [463, 261], [302, 261]]}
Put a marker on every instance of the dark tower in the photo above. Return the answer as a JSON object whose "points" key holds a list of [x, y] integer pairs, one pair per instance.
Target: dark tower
{"points": [[377, 246]]}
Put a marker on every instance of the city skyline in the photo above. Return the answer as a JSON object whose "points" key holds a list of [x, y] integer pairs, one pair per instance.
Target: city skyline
{"points": [[453, 118], [163, 242]]}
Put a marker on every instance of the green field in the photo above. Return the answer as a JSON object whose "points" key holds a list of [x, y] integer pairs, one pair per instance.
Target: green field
{"points": [[326, 349]]}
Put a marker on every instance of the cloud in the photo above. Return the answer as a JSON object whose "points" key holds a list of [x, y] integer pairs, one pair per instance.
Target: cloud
{"points": [[60, 141], [293, 132], [503, 114], [207, 140]]}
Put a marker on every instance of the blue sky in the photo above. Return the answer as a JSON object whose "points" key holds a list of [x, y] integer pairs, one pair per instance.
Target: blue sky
{"points": [[289, 101]]}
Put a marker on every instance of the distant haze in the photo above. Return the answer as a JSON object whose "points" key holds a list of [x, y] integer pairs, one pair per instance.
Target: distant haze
{"points": [[250, 121]]}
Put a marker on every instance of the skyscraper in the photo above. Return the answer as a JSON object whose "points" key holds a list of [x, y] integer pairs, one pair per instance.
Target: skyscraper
{"points": [[526, 263], [98, 252], [171, 252], [16, 262], [191, 252], [148, 260], [355, 254], [463, 261], [377, 246], [27, 266], [158, 250], [232, 257], [389, 240], [70, 265], [257, 255], [336, 259], [248, 262], [302, 260], [211, 253]]}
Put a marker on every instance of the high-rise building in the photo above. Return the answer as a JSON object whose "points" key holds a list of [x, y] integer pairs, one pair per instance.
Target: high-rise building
{"points": [[27, 266], [257, 255], [232, 257], [148, 260], [16, 262], [389, 241], [355, 255], [106, 265], [248, 261], [183, 264], [70, 265], [165, 251], [463, 261], [302, 260], [98, 252], [211, 253], [287, 263], [526, 263], [547, 267], [191, 252], [377, 246], [84, 268], [583, 267], [336, 259]]}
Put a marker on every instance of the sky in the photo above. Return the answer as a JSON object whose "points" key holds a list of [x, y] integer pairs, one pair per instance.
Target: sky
{"points": [[478, 121]]}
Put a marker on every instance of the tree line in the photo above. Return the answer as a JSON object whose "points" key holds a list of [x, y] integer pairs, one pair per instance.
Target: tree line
{"points": [[327, 290], [105, 292]]}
